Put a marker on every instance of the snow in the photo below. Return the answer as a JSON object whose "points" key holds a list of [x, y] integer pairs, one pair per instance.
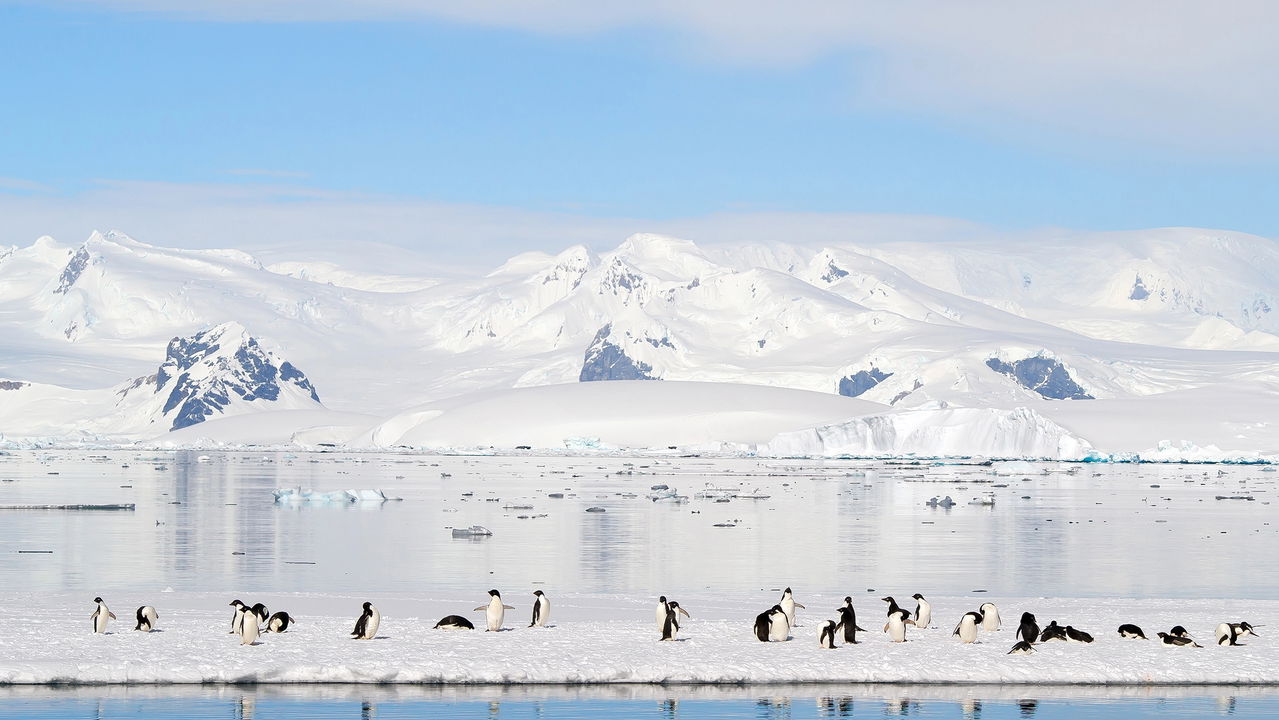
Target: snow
{"points": [[611, 639]]}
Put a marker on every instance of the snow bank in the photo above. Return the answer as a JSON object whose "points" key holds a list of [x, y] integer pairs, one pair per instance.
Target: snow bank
{"points": [[937, 432], [610, 639]]}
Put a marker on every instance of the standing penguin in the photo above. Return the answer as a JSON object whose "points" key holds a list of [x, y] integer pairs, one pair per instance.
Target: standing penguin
{"points": [[826, 636], [366, 625], [248, 628], [100, 616], [660, 614], [238, 617], [967, 627], [990, 617], [494, 611], [778, 625], [893, 609], [1028, 630], [259, 614], [1128, 630], [541, 609], [896, 628], [848, 621], [146, 618], [923, 611], [279, 622], [671, 625], [788, 605]]}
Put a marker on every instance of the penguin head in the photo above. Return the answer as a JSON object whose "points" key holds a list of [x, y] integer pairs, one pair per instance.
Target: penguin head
{"points": [[662, 599], [848, 599], [368, 606], [1179, 631], [888, 599], [495, 593], [1027, 617], [917, 596], [778, 608], [236, 604], [537, 593], [786, 591], [98, 600], [1162, 635], [1247, 627]]}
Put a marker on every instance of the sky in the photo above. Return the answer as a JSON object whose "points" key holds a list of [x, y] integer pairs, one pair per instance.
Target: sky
{"points": [[475, 130]]}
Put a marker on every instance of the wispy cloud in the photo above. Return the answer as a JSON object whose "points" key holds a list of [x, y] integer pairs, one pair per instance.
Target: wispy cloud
{"points": [[24, 186], [259, 172], [1182, 74]]}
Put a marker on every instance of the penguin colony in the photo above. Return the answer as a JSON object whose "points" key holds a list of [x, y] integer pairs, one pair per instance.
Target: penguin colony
{"points": [[772, 625]]}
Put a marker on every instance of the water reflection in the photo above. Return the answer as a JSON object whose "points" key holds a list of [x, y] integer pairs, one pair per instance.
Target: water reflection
{"points": [[207, 522]]}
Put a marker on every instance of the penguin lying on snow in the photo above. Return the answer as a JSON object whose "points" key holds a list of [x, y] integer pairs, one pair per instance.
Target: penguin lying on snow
{"points": [[1073, 635], [279, 622], [146, 616], [1053, 632], [1128, 630], [1179, 631], [454, 622], [1177, 640], [1022, 648], [1229, 633], [1028, 630]]}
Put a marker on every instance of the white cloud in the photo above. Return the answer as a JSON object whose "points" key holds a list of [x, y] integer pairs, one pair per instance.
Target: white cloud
{"points": [[1183, 74]]}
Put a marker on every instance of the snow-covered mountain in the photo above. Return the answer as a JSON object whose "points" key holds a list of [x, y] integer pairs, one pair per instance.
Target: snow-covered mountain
{"points": [[1054, 324]]}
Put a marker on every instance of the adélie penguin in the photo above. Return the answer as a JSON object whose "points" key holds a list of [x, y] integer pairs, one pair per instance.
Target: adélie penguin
{"points": [[1130, 631], [248, 628], [259, 613], [788, 606], [495, 611], [279, 622], [1179, 631], [147, 617], [1022, 648], [1229, 633], [923, 611], [1075, 635], [454, 622], [1028, 630], [967, 627], [848, 621], [1053, 632], [1177, 640], [990, 617], [896, 628], [238, 617], [826, 635], [778, 625], [367, 624], [541, 609], [670, 628], [101, 614]]}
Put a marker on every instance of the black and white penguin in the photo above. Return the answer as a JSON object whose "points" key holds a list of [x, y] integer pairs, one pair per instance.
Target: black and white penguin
{"points": [[146, 618], [1053, 632], [788, 606], [495, 611], [1074, 635], [893, 609], [1130, 631], [1177, 640], [1028, 630], [238, 617], [366, 625], [454, 622], [826, 636], [896, 628], [923, 611], [989, 617], [762, 623], [1179, 631], [778, 625], [541, 609], [1022, 648], [848, 621], [967, 627], [259, 613], [101, 614], [1243, 628], [248, 628], [660, 614], [670, 628], [279, 622]]}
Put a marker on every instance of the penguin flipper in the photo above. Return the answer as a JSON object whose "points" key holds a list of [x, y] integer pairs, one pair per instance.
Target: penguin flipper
{"points": [[509, 607], [861, 629], [482, 607], [111, 615], [800, 606]]}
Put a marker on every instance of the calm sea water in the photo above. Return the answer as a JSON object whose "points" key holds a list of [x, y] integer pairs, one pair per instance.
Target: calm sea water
{"points": [[207, 522], [771, 703]]}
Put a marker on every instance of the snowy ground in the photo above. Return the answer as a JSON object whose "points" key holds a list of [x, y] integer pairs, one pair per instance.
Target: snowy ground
{"points": [[607, 639]]}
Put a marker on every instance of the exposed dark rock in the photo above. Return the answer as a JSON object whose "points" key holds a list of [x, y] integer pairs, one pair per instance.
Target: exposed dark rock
{"points": [[79, 261], [1139, 291], [861, 381], [606, 360], [12, 384], [1043, 375]]}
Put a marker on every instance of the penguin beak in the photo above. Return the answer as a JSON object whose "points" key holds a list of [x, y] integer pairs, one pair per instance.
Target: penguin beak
{"points": [[684, 612]]}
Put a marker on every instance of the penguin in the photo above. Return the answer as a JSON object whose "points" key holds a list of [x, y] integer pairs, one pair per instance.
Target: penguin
{"points": [[923, 611], [670, 628], [848, 621], [778, 625], [494, 611], [248, 628], [893, 609], [990, 617], [146, 618], [1226, 634], [788, 606], [279, 622], [896, 628], [1028, 630], [1243, 628], [1177, 640], [1179, 631], [1022, 648], [1128, 630], [1073, 635], [366, 625], [259, 613], [238, 617], [100, 616], [826, 636], [541, 609], [660, 614], [762, 625], [1053, 632], [454, 622], [967, 627]]}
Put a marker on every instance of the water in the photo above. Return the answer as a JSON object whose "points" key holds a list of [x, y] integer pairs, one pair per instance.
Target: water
{"points": [[687, 703], [206, 522]]}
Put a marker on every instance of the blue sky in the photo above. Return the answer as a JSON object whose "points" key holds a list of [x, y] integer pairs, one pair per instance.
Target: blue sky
{"points": [[627, 119]]}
